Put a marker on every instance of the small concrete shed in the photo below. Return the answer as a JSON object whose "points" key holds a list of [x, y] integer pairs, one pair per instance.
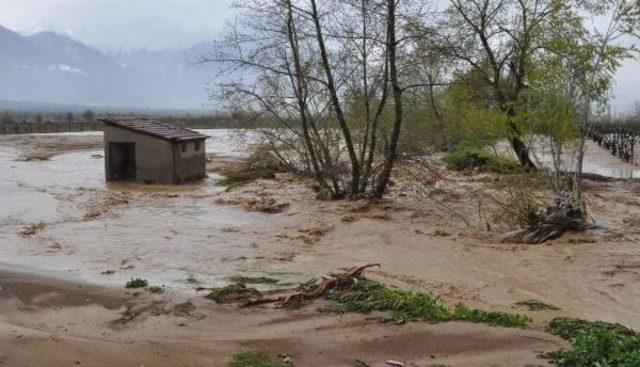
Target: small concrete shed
{"points": [[144, 150]]}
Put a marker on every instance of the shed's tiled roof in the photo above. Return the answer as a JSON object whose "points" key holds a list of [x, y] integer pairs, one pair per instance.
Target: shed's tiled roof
{"points": [[154, 128]]}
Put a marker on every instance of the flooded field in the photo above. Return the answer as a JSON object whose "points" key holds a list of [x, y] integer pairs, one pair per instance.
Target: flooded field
{"points": [[62, 228], [90, 226]]}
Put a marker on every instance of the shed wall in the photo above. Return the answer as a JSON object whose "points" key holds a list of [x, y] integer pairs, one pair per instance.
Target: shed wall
{"points": [[190, 164], [154, 157]]}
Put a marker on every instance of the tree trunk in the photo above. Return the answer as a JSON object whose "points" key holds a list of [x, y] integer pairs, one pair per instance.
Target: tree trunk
{"points": [[383, 179], [300, 97], [346, 133]]}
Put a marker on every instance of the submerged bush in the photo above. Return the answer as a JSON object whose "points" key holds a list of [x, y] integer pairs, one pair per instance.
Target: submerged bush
{"points": [[569, 328], [495, 318], [416, 306], [137, 283], [469, 155], [231, 293], [406, 306], [594, 344], [535, 305], [156, 289], [254, 359]]}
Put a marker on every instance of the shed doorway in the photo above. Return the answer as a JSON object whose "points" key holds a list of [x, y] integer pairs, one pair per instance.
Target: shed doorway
{"points": [[122, 161]]}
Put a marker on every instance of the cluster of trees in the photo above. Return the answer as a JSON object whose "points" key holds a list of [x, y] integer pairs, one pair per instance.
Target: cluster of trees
{"points": [[347, 84], [9, 117]]}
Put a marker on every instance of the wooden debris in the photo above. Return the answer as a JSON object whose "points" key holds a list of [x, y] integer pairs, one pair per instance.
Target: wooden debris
{"points": [[558, 219], [339, 282]]}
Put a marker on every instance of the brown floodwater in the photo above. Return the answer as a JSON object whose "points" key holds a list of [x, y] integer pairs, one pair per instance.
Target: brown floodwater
{"points": [[69, 242], [164, 232], [108, 233]]}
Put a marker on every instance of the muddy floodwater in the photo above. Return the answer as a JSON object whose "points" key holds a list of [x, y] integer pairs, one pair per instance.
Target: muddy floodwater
{"points": [[90, 227], [69, 242]]}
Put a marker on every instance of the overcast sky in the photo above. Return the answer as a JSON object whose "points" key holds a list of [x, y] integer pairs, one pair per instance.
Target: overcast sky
{"points": [[120, 24], [159, 24]]}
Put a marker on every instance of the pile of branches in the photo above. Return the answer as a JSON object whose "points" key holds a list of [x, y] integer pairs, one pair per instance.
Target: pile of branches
{"points": [[336, 283], [561, 217], [331, 285]]}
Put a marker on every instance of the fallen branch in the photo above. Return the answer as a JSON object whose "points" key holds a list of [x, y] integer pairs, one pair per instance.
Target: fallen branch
{"points": [[338, 282], [563, 216]]}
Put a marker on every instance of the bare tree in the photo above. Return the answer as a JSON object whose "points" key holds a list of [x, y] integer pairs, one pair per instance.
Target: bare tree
{"points": [[391, 153]]}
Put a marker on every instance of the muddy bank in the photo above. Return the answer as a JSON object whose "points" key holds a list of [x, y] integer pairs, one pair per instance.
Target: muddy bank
{"points": [[49, 322], [34, 147]]}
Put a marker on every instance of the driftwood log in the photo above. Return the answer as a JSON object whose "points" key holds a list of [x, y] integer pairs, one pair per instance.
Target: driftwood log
{"points": [[337, 282], [561, 217]]}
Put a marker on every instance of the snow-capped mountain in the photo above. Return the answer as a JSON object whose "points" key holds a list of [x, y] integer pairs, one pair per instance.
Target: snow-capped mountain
{"points": [[49, 67]]}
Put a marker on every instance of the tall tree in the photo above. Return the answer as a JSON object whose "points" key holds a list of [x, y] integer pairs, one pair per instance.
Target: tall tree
{"points": [[498, 39]]}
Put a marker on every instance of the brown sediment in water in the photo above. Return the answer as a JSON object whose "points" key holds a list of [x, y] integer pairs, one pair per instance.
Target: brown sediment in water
{"points": [[170, 234]]}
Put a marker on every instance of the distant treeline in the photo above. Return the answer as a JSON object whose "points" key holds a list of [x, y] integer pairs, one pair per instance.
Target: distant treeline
{"points": [[29, 123]]}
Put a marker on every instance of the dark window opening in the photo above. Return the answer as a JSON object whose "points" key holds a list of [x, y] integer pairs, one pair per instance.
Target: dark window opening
{"points": [[197, 146], [184, 147]]}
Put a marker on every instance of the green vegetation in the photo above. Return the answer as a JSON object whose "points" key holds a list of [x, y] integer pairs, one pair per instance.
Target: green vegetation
{"points": [[415, 306], [255, 280], [469, 155], [534, 305], [255, 359], [156, 289], [570, 328], [192, 280], [494, 318], [231, 293], [137, 283], [594, 344]]}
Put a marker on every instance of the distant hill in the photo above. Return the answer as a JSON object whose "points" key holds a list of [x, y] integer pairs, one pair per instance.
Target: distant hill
{"points": [[51, 68]]}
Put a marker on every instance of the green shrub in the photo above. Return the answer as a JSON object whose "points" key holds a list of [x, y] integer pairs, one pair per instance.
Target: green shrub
{"points": [[416, 306], [598, 345], [463, 313], [231, 293], [469, 155], [406, 306], [570, 328], [156, 289], [137, 283], [534, 305], [254, 280]]}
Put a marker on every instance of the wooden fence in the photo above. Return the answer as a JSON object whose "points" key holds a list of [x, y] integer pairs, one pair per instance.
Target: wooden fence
{"points": [[49, 127], [618, 138]]}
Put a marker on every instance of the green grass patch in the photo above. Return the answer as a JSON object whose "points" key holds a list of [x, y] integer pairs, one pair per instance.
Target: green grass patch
{"points": [[255, 280], [156, 289], [472, 155], [255, 359], [192, 280], [137, 283], [231, 293], [570, 328], [534, 305], [594, 344], [415, 306], [495, 318]]}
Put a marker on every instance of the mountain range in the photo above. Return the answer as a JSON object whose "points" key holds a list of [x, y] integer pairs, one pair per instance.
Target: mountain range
{"points": [[47, 67]]}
